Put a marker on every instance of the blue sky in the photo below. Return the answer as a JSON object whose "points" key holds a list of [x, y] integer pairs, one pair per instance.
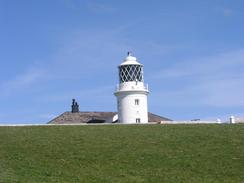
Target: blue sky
{"points": [[53, 51]]}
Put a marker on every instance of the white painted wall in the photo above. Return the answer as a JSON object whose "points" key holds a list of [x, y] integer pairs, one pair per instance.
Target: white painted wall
{"points": [[190, 122], [128, 111]]}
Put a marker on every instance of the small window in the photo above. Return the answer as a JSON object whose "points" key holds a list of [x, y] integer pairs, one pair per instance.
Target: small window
{"points": [[138, 120], [137, 101]]}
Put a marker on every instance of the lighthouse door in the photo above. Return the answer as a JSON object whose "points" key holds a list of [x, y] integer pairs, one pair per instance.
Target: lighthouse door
{"points": [[138, 120]]}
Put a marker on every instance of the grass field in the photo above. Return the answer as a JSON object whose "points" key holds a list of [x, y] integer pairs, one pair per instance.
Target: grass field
{"points": [[122, 153]]}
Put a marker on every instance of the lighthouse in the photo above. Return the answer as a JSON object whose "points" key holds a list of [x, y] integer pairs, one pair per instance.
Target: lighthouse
{"points": [[131, 92]]}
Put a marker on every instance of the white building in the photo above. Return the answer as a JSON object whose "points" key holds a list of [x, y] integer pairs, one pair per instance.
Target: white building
{"points": [[131, 92]]}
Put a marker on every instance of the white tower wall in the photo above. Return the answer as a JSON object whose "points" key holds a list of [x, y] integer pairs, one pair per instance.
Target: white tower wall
{"points": [[131, 93]]}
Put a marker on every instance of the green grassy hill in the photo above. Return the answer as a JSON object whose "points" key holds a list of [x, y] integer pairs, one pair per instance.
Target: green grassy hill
{"points": [[122, 153]]}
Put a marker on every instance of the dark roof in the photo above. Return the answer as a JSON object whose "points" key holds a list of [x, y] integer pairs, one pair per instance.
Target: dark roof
{"points": [[84, 117], [156, 118]]}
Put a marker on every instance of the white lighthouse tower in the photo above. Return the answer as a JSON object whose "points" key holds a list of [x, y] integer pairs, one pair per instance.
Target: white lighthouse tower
{"points": [[131, 92]]}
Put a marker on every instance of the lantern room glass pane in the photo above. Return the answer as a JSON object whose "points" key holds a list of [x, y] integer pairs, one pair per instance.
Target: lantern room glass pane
{"points": [[131, 73]]}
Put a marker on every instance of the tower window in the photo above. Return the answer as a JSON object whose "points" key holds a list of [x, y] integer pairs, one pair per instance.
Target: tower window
{"points": [[137, 101], [138, 120]]}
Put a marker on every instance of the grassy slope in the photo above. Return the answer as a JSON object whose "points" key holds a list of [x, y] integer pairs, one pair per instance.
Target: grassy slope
{"points": [[122, 153]]}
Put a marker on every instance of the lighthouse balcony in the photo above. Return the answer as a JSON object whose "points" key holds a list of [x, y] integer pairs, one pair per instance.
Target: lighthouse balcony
{"points": [[132, 86]]}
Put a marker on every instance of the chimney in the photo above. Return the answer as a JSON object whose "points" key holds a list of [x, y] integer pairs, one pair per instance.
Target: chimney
{"points": [[74, 107]]}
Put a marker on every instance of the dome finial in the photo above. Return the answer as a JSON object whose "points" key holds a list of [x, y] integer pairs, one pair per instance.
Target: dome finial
{"points": [[129, 53]]}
